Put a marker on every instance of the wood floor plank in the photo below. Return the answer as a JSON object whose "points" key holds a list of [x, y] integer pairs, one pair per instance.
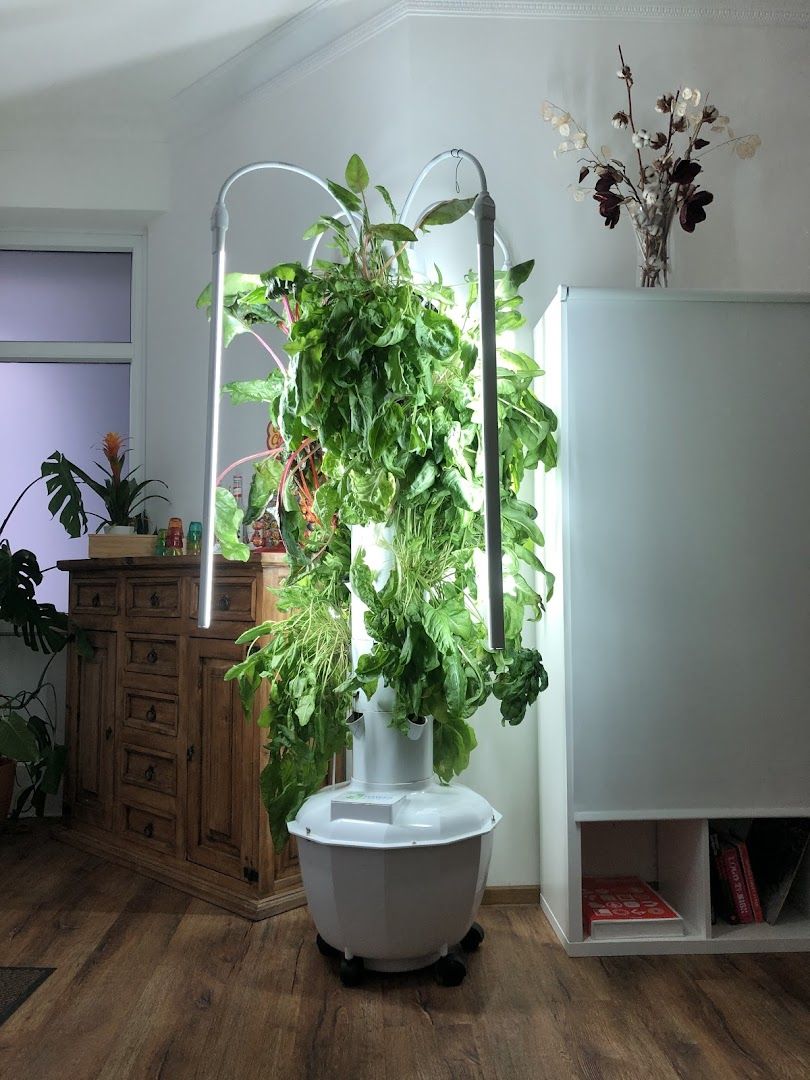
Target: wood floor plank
{"points": [[151, 985]]}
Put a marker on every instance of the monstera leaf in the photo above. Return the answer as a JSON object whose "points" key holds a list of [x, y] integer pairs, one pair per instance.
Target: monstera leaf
{"points": [[60, 480], [41, 626]]}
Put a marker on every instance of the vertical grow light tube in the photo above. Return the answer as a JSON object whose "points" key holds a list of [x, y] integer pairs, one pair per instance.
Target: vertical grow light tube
{"points": [[219, 229], [484, 209]]}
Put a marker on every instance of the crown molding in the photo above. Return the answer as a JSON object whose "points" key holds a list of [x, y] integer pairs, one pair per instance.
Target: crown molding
{"points": [[329, 29]]}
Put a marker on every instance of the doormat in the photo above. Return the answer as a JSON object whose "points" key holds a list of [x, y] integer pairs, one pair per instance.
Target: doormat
{"points": [[17, 984]]}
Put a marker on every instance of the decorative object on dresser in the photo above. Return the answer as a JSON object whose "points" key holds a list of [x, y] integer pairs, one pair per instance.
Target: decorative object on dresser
{"points": [[163, 768], [666, 186]]}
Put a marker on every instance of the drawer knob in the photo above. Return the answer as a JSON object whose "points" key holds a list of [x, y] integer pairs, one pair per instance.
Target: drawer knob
{"points": [[224, 602], [151, 657], [154, 600], [96, 601], [149, 774], [151, 715], [149, 830], [108, 734]]}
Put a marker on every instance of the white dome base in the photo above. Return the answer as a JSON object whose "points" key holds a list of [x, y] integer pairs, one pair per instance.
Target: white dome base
{"points": [[397, 892]]}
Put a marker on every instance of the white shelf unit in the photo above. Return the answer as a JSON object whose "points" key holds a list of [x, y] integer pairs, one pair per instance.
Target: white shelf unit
{"points": [[678, 524]]}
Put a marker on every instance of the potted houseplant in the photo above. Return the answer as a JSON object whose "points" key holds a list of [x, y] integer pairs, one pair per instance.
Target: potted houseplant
{"points": [[383, 596], [122, 494], [27, 725]]}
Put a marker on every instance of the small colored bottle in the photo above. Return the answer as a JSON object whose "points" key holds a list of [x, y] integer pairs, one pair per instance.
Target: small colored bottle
{"points": [[194, 538], [174, 537], [160, 542], [236, 491]]}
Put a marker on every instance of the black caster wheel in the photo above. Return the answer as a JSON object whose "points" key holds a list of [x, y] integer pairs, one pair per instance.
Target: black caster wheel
{"points": [[352, 972], [450, 970], [325, 949], [473, 938]]}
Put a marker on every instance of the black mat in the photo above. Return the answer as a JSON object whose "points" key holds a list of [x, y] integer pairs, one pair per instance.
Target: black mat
{"points": [[16, 986]]}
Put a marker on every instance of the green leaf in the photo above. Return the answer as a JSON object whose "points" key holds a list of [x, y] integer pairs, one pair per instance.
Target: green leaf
{"points": [[227, 527], [445, 213], [233, 285], [255, 390], [55, 759], [16, 741], [393, 230], [389, 202], [424, 479], [60, 480], [356, 174], [264, 484], [516, 275], [346, 198]]}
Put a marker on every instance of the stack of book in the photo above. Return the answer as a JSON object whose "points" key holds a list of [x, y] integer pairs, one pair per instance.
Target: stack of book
{"points": [[626, 907], [751, 878]]}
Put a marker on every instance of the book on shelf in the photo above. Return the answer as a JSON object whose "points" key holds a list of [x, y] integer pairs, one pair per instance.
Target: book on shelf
{"points": [[749, 880], [626, 907], [777, 847], [734, 890]]}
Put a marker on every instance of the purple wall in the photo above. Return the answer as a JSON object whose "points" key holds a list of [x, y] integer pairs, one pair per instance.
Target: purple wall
{"points": [[46, 407], [65, 295]]}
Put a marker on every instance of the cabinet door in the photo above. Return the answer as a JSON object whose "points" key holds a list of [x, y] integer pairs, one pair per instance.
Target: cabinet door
{"points": [[91, 731], [223, 790]]}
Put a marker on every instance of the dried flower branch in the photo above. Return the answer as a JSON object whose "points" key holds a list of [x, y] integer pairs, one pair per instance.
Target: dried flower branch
{"points": [[666, 187]]}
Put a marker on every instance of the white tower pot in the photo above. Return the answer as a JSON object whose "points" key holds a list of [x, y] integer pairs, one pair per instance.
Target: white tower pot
{"points": [[394, 864]]}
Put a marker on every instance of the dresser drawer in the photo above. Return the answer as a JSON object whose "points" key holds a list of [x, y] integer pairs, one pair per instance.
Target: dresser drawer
{"points": [[153, 770], [233, 601], [153, 828], [94, 596], [153, 598], [147, 712], [151, 655]]}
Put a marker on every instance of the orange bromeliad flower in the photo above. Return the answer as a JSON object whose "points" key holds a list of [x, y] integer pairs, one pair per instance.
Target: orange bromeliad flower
{"points": [[112, 446]]}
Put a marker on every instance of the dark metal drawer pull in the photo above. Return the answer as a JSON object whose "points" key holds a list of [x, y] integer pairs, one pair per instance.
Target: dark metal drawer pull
{"points": [[96, 601], [149, 830], [154, 600], [108, 733], [224, 602], [149, 774], [151, 715], [151, 657]]}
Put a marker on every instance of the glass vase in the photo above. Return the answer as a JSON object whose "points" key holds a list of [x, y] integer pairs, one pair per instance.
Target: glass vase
{"points": [[652, 230]]}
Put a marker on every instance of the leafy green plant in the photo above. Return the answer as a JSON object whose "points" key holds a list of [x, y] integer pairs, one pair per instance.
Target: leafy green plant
{"points": [[381, 376], [27, 725], [123, 496]]}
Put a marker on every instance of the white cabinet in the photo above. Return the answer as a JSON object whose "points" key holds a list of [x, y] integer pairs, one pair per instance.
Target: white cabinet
{"points": [[678, 638]]}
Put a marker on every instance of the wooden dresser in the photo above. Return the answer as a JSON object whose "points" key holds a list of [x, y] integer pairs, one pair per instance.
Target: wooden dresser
{"points": [[163, 769]]}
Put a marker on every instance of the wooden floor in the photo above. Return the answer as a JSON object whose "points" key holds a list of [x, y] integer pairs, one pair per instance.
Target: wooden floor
{"points": [[151, 983]]}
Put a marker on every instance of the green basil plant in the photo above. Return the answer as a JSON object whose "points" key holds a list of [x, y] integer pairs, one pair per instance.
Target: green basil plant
{"points": [[380, 394]]}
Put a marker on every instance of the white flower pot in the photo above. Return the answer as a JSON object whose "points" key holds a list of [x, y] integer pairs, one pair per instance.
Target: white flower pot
{"points": [[119, 530]]}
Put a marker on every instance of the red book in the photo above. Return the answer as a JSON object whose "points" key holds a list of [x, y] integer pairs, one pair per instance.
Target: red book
{"points": [[748, 877], [732, 867], [626, 907]]}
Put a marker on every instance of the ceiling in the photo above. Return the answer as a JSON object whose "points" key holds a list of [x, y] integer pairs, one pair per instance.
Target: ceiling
{"points": [[122, 56]]}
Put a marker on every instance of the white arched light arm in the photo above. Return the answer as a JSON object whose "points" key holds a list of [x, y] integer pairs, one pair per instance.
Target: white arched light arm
{"points": [[484, 210], [219, 229]]}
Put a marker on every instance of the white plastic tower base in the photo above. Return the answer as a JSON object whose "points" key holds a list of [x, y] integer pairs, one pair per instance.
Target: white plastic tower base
{"points": [[394, 864], [399, 879]]}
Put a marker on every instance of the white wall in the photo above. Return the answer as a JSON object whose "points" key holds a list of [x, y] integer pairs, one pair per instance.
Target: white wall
{"points": [[429, 84]]}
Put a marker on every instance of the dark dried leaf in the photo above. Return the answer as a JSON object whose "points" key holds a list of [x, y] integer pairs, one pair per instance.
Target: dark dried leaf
{"points": [[685, 171], [700, 143], [692, 210], [583, 172]]}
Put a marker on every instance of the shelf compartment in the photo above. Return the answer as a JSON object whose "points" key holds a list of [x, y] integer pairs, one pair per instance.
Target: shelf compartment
{"points": [[672, 855]]}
